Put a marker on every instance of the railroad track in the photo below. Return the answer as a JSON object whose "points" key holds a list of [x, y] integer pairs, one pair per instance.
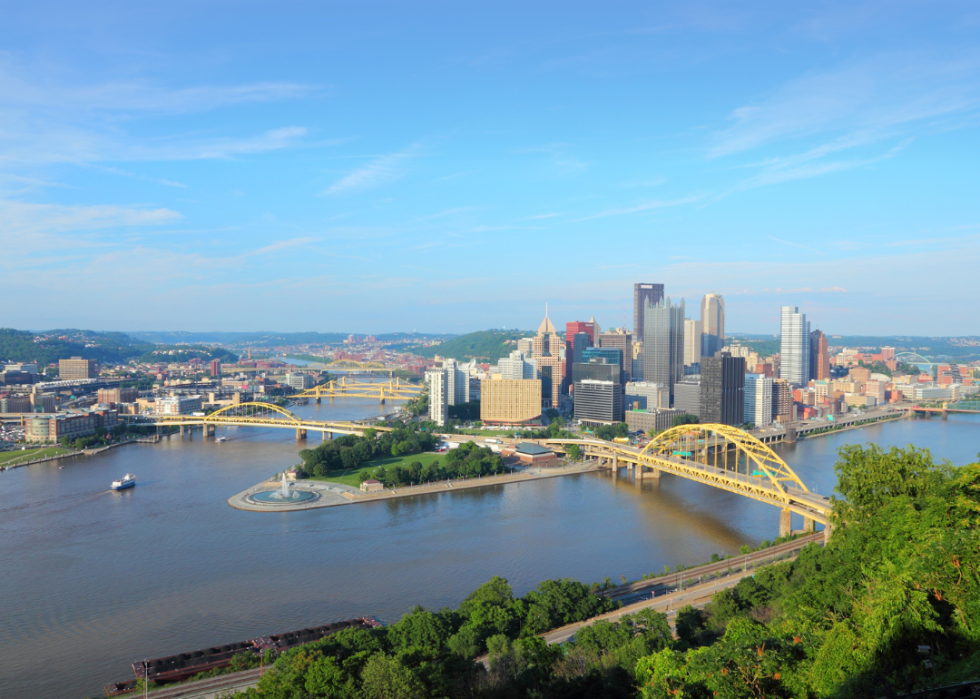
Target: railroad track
{"points": [[210, 687]]}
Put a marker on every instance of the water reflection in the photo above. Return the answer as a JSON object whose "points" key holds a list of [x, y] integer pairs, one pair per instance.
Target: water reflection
{"points": [[90, 579]]}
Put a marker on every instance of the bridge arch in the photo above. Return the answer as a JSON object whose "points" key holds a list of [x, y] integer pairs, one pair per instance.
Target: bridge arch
{"points": [[912, 358], [353, 364], [698, 439], [251, 410]]}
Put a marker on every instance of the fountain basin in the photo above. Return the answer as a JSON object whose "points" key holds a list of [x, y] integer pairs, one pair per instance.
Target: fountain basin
{"points": [[277, 497]]}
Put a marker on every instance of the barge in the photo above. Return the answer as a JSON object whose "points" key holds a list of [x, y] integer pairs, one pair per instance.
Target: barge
{"points": [[176, 668]]}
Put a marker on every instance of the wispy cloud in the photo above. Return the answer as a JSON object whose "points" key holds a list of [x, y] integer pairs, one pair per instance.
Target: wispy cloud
{"points": [[638, 208], [864, 101], [796, 245], [34, 86], [379, 171]]}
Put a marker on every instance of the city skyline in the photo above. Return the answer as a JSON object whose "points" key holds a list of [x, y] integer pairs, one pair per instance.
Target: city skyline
{"points": [[815, 157]]}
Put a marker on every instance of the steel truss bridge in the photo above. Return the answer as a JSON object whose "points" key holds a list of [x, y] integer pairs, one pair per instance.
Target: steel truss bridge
{"points": [[394, 389], [720, 456], [254, 415]]}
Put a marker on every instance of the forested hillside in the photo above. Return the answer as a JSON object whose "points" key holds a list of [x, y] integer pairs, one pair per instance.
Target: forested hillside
{"points": [[50, 346], [485, 345], [184, 353], [891, 605]]}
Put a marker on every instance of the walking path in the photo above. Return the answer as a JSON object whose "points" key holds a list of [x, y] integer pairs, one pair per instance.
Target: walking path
{"points": [[333, 494]]}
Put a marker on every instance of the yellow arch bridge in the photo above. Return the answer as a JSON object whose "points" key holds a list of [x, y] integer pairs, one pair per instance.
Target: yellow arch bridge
{"points": [[720, 456], [394, 389], [256, 415]]}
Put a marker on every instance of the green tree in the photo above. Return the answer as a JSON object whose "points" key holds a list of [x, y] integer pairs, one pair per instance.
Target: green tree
{"points": [[386, 677]]}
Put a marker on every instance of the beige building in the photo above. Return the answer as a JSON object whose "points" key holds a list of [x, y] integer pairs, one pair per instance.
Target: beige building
{"points": [[510, 401], [76, 368], [118, 395], [547, 355]]}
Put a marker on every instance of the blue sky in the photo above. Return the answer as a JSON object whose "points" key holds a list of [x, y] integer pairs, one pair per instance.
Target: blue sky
{"points": [[454, 166]]}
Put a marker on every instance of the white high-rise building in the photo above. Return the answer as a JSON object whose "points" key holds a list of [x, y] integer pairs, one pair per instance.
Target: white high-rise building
{"points": [[758, 399], [438, 409], [457, 382], [692, 342], [794, 346], [517, 366], [663, 343]]}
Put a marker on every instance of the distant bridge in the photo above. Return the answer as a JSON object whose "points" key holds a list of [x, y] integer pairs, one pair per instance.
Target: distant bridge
{"points": [[702, 453], [254, 414], [963, 406], [913, 358], [395, 389]]}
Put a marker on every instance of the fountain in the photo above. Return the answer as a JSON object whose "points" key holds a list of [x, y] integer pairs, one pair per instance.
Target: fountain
{"points": [[283, 495]]}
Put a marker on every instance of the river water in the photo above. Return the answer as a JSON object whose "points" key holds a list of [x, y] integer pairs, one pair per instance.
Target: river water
{"points": [[91, 580]]}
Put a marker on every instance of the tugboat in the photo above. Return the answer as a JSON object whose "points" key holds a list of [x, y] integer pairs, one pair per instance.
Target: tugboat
{"points": [[127, 481]]}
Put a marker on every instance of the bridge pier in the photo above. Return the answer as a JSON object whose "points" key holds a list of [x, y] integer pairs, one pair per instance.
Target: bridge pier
{"points": [[828, 529], [208, 430], [808, 527], [300, 434], [615, 466], [181, 431], [785, 517], [318, 400]]}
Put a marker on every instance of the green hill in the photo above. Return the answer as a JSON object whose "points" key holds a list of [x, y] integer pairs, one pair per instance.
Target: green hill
{"points": [[50, 346], [183, 353], [485, 345]]}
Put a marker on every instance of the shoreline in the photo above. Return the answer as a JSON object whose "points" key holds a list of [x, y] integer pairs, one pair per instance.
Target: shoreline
{"points": [[336, 494]]}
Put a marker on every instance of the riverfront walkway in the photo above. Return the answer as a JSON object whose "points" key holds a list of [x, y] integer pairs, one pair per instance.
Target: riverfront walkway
{"points": [[334, 494]]}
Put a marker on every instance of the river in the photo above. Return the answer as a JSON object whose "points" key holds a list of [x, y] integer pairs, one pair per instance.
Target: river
{"points": [[91, 580]]}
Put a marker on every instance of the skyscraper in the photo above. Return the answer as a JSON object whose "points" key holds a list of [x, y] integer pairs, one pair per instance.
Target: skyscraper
{"points": [[644, 295], [438, 410], [758, 399], [573, 351], [663, 343], [517, 367], [692, 341], [794, 346], [712, 324], [723, 389], [547, 355], [624, 343], [819, 356]]}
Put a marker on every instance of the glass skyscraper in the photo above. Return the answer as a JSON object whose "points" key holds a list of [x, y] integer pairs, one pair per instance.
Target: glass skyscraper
{"points": [[663, 343], [794, 346]]}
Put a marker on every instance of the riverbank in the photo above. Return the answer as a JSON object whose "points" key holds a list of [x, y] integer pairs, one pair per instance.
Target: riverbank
{"points": [[334, 494], [836, 429]]}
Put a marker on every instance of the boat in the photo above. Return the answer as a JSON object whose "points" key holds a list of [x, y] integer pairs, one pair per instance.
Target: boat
{"points": [[127, 481], [221, 439]]}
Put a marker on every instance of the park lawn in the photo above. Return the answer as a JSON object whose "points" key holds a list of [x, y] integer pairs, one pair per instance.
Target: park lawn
{"points": [[9, 458], [352, 477]]}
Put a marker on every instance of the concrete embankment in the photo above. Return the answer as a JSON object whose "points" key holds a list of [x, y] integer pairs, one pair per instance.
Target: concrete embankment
{"points": [[333, 494]]}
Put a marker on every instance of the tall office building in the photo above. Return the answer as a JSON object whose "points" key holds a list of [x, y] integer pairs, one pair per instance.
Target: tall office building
{"points": [[819, 356], [611, 355], [663, 343], [517, 366], [510, 401], [598, 402], [723, 389], [644, 295], [547, 355], [457, 383], [794, 346], [526, 346], [76, 368], [578, 335], [692, 341], [215, 368], [622, 341], [782, 401], [758, 399], [687, 395], [597, 369], [438, 409], [712, 324]]}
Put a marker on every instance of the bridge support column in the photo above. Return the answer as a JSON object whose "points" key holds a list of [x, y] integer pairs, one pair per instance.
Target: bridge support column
{"points": [[785, 517], [181, 431], [615, 467], [655, 474], [807, 525], [827, 531], [208, 430], [300, 434], [318, 400], [639, 473]]}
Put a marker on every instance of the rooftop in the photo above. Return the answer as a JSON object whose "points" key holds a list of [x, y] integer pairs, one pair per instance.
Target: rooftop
{"points": [[531, 448]]}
